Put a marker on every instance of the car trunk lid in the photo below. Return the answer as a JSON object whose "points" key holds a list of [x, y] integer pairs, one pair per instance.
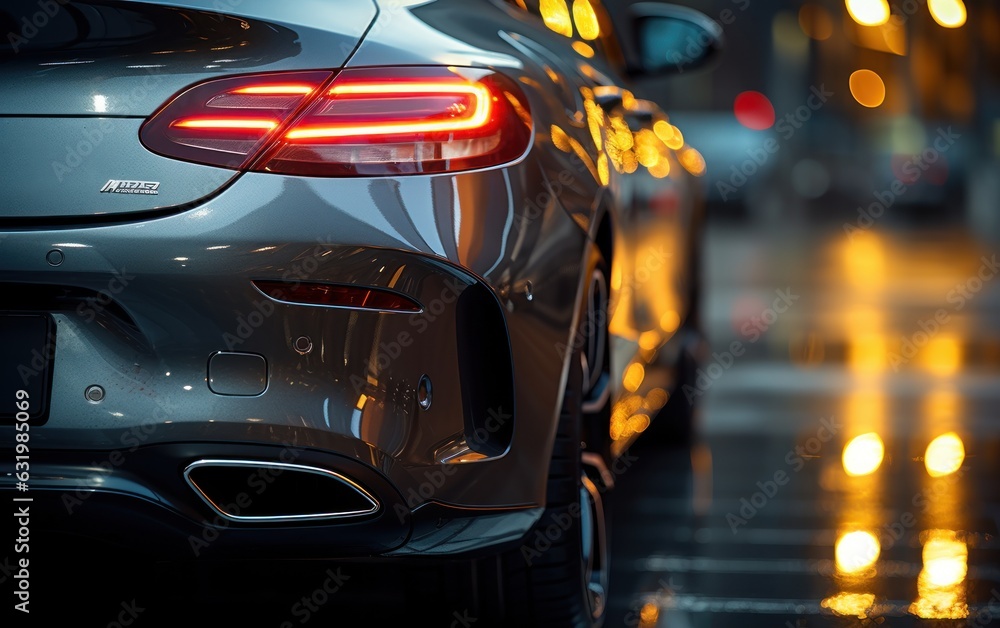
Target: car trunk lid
{"points": [[78, 78]]}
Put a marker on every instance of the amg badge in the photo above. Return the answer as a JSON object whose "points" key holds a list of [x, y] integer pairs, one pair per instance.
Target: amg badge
{"points": [[116, 186]]}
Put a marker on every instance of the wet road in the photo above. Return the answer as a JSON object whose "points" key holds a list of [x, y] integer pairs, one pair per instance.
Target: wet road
{"points": [[847, 469]]}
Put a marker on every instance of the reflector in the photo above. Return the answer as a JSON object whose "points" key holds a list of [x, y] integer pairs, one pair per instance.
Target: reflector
{"points": [[338, 295]]}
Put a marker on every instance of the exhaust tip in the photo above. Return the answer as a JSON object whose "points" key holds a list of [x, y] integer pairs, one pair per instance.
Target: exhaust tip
{"points": [[255, 491]]}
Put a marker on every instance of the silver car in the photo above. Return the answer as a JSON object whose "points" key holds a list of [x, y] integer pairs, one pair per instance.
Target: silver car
{"points": [[345, 278]]}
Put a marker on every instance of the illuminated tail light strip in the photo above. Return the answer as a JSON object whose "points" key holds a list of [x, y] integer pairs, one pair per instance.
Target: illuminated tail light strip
{"points": [[370, 122], [464, 117], [224, 124]]}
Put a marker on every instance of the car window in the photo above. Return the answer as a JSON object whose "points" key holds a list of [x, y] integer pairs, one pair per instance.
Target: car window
{"points": [[586, 22]]}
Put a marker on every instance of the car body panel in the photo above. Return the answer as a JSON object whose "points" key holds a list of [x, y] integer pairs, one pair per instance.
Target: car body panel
{"points": [[185, 281]]}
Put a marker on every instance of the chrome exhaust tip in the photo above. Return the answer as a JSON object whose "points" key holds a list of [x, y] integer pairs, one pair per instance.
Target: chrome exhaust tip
{"points": [[258, 491]]}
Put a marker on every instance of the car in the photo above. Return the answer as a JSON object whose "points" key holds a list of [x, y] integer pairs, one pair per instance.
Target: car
{"points": [[345, 279]]}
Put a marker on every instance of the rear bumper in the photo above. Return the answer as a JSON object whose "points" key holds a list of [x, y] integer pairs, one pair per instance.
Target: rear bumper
{"points": [[138, 501], [142, 308]]}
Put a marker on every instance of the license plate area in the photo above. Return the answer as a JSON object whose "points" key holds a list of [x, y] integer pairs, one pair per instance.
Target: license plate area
{"points": [[26, 359]]}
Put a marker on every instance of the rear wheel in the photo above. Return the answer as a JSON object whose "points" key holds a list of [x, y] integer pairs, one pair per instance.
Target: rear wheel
{"points": [[559, 575]]}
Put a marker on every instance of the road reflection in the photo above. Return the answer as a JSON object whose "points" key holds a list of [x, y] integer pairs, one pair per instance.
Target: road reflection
{"points": [[894, 347]]}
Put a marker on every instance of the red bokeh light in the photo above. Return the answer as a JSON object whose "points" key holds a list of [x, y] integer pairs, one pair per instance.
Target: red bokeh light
{"points": [[754, 111]]}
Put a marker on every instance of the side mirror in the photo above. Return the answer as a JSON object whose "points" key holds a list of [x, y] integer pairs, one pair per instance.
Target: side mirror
{"points": [[672, 39]]}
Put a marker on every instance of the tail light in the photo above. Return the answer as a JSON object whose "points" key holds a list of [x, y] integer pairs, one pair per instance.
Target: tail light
{"points": [[364, 122]]}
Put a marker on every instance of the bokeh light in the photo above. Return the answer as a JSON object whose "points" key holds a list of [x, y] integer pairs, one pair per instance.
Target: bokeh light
{"points": [[692, 161], [649, 614], [948, 13], [583, 49], [863, 454], [585, 19], [850, 604], [945, 455], [868, 12], [856, 551], [555, 14], [668, 134], [945, 558], [867, 88], [633, 377], [754, 111], [941, 583], [669, 321]]}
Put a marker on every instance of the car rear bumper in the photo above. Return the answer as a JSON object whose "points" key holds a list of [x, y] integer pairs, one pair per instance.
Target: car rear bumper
{"points": [[138, 501], [143, 308]]}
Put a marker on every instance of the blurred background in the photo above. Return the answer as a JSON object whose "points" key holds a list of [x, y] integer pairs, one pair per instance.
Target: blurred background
{"points": [[893, 75], [846, 468]]}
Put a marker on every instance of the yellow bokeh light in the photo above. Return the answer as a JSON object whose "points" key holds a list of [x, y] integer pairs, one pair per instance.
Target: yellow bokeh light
{"points": [[595, 121], [948, 13], [649, 614], [669, 321], [628, 100], [692, 161], [603, 171], [555, 14], [623, 422], [941, 583], [633, 377], [583, 49], [945, 455], [868, 12], [863, 454], [942, 355], [617, 428], [649, 340], [656, 399], [663, 129], [661, 169], [668, 134], [850, 604], [945, 558], [867, 88], [648, 147], [586, 19], [559, 139], [856, 551], [638, 423]]}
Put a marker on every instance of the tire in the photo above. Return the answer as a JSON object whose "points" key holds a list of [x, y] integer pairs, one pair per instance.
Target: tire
{"points": [[558, 576]]}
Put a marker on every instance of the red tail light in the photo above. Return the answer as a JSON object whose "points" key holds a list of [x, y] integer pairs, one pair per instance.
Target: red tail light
{"points": [[366, 122]]}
